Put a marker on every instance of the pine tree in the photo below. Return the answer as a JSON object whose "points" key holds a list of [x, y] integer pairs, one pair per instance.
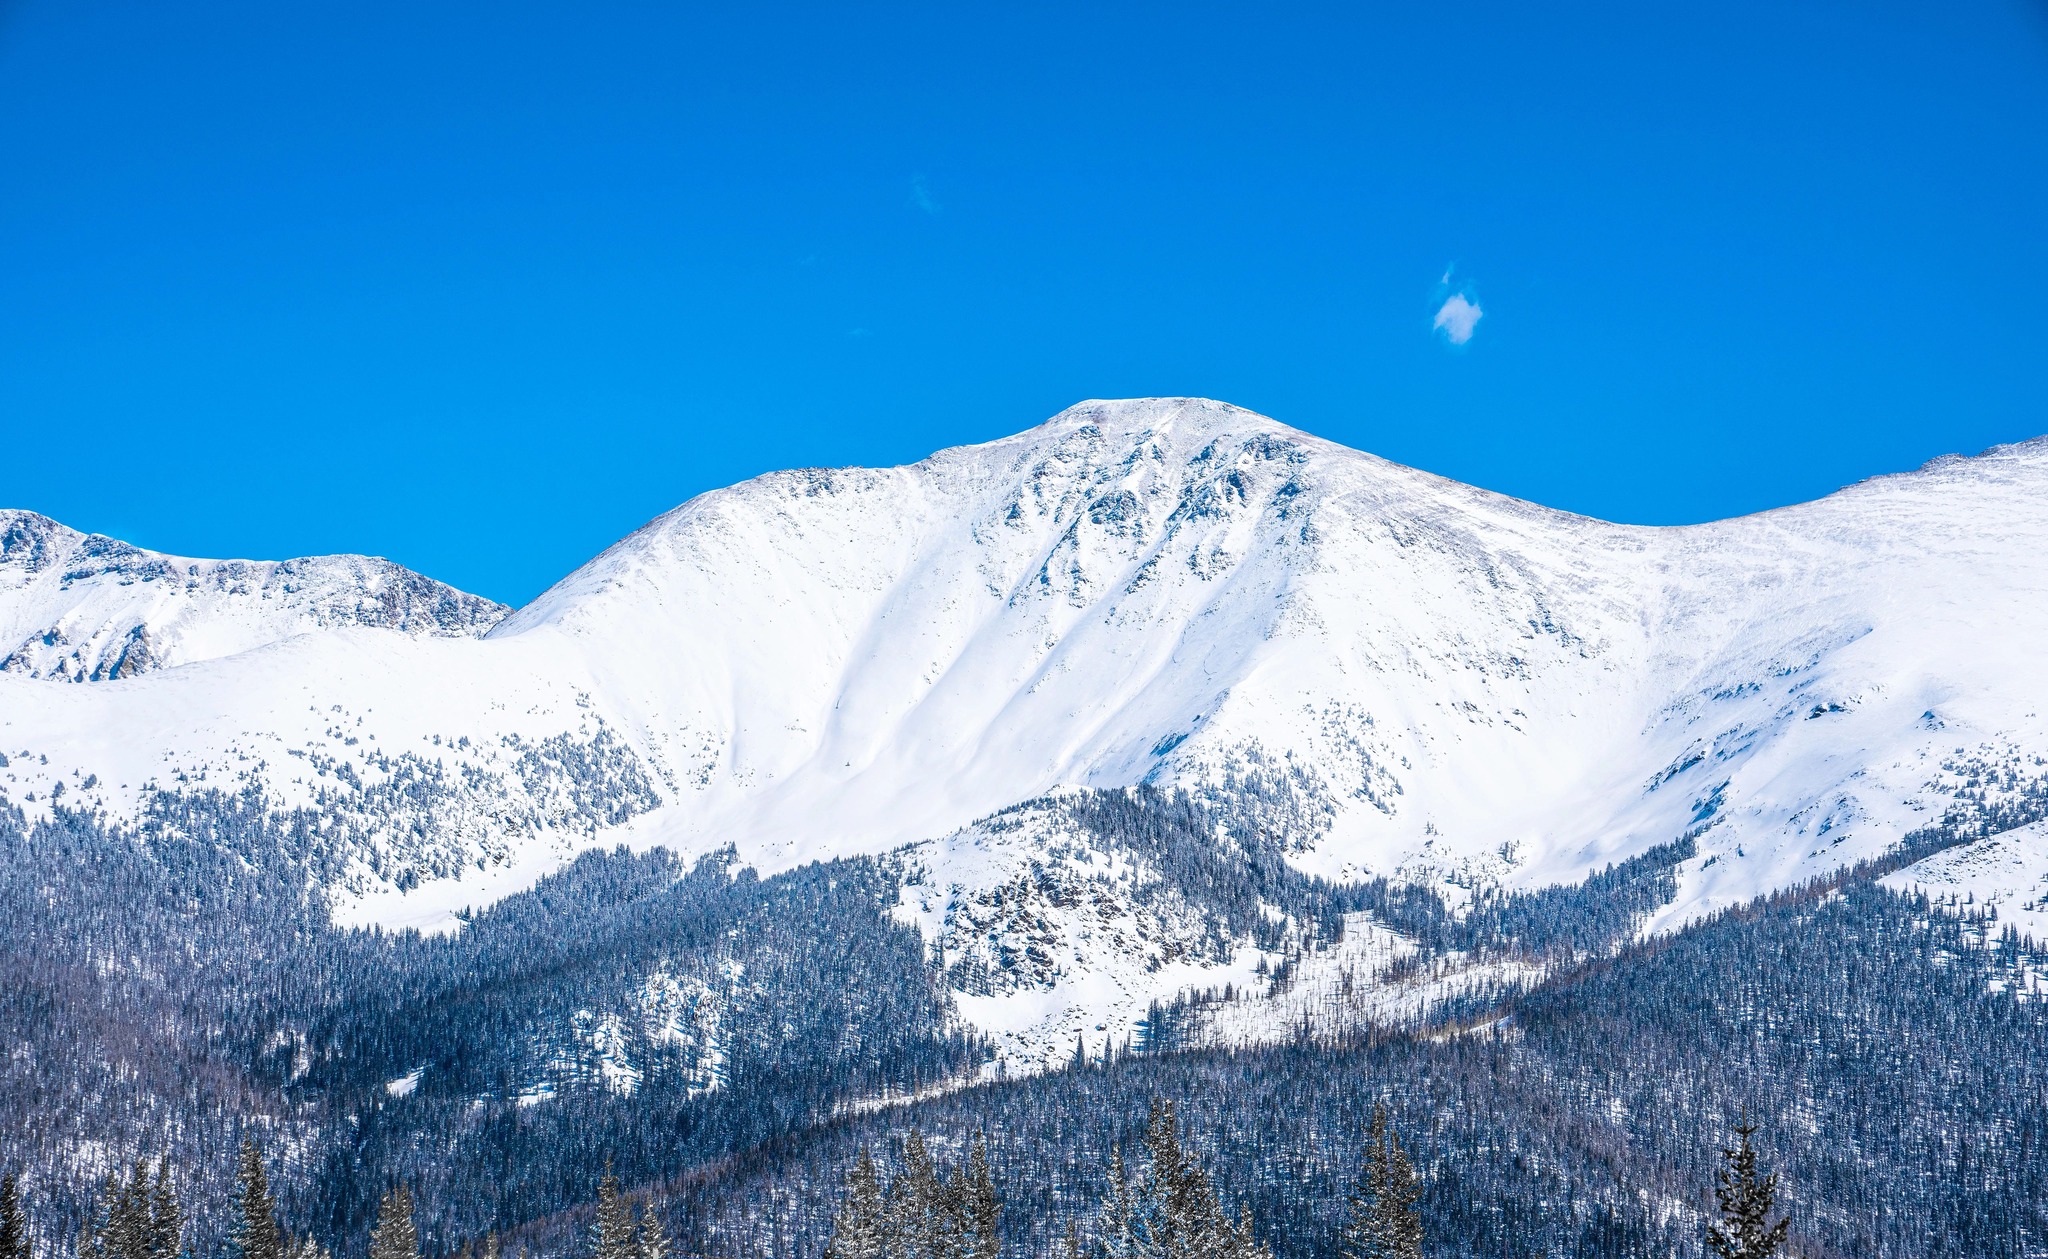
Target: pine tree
{"points": [[920, 1207], [654, 1243], [14, 1243], [1173, 1213], [166, 1218], [1244, 1243], [1193, 1220], [981, 1210], [128, 1233], [395, 1236], [1383, 1223], [612, 1236], [1746, 1201], [1401, 1221], [861, 1228], [99, 1223], [1184, 1206], [1120, 1233], [255, 1233]]}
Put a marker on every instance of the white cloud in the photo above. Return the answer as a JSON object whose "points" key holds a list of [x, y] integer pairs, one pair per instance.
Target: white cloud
{"points": [[1457, 317], [921, 195]]}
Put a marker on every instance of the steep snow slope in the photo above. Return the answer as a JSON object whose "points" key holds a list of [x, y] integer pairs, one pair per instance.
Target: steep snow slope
{"points": [[1401, 672], [1386, 671], [81, 607]]}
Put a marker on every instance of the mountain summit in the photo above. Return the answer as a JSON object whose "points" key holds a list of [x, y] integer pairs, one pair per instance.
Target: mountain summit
{"points": [[1380, 671]]}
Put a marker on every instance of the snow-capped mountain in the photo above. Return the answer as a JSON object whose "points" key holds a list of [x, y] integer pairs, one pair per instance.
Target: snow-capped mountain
{"points": [[86, 608], [1382, 671]]}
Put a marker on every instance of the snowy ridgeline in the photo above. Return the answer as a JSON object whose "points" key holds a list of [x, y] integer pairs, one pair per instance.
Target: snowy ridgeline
{"points": [[1359, 673], [85, 608], [1354, 668], [1160, 727]]}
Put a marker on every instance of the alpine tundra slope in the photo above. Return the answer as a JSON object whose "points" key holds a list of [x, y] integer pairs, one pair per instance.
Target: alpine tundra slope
{"points": [[1379, 670]]}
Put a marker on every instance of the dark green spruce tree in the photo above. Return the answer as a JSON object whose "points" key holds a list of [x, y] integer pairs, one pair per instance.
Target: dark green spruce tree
{"points": [[99, 1222], [254, 1232], [923, 1210], [1383, 1222], [166, 1217], [612, 1236], [922, 1214], [395, 1235], [132, 1220], [654, 1242], [1746, 1201], [861, 1228], [129, 1233], [980, 1211], [1173, 1211], [14, 1243]]}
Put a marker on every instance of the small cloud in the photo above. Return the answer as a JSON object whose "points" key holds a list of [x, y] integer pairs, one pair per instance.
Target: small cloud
{"points": [[921, 195], [1457, 317]]}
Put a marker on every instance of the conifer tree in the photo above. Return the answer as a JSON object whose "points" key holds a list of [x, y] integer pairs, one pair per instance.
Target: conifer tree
{"points": [[1121, 1234], [1184, 1207], [166, 1217], [395, 1236], [255, 1233], [1193, 1221], [1383, 1223], [14, 1243], [612, 1236], [100, 1223], [1244, 1243], [980, 1209], [129, 1234], [1173, 1213], [919, 1226], [861, 1228], [1746, 1200], [654, 1243]]}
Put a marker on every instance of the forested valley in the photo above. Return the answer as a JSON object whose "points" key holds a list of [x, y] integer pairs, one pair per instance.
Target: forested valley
{"points": [[174, 1001]]}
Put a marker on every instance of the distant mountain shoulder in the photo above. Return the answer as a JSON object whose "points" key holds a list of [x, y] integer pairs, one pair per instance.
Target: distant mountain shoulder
{"points": [[81, 607]]}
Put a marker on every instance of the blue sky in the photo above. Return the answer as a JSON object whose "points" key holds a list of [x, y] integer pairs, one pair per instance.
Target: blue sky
{"points": [[482, 287]]}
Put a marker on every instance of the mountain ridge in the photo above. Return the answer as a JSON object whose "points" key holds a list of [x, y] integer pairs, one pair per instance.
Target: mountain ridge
{"points": [[64, 589], [1378, 671]]}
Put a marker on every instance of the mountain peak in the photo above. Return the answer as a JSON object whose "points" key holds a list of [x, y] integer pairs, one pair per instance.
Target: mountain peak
{"points": [[1372, 670]]}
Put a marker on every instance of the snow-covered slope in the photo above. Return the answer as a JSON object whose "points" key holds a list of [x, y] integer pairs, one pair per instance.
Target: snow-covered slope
{"points": [[82, 607], [2001, 881], [1386, 671]]}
